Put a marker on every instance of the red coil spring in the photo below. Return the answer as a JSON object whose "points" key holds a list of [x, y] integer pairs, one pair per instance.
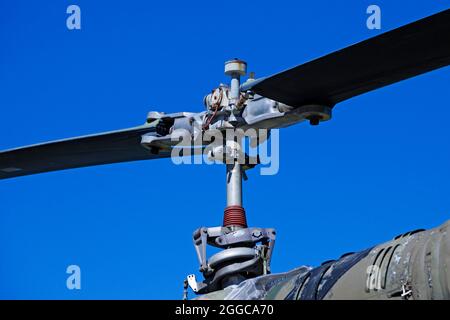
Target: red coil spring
{"points": [[234, 216]]}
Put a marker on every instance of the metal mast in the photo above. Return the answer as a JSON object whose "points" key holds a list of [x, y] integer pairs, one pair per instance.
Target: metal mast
{"points": [[246, 251], [234, 215]]}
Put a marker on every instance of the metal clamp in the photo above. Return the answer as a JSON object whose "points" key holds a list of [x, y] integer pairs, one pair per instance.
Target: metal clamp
{"points": [[246, 254]]}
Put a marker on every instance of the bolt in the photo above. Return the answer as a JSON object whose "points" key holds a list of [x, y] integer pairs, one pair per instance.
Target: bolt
{"points": [[257, 234], [314, 120]]}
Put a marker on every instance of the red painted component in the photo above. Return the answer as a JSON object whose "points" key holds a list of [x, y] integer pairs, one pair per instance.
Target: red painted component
{"points": [[234, 216]]}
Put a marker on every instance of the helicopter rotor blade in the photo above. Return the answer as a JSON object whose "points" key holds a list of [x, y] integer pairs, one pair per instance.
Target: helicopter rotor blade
{"points": [[103, 148], [405, 52]]}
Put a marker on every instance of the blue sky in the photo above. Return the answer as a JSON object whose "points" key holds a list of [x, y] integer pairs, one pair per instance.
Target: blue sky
{"points": [[379, 168]]}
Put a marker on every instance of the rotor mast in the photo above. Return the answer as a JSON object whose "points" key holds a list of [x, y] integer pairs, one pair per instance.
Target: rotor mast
{"points": [[245, 251], [234, 215], [234, 184]]}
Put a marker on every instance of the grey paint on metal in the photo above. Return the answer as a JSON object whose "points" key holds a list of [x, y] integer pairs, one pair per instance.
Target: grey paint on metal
{"points": [[232, 254], [247, 251], [90, 150], [248, 266], [246, 86], [234, 184], [245, 236], [234, 88], [234, 170]]}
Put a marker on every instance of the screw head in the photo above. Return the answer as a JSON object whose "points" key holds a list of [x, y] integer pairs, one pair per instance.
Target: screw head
{"points": [[257, 234]]}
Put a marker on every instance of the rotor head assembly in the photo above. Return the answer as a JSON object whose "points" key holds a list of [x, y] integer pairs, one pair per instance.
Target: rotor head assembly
{"points": [[246, 252]]}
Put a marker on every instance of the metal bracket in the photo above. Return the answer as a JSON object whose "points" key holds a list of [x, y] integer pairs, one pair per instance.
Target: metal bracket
{"points": [[245, 251]]}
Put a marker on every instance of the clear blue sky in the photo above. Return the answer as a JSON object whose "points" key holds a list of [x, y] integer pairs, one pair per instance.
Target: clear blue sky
{"points": [[379, 168]]}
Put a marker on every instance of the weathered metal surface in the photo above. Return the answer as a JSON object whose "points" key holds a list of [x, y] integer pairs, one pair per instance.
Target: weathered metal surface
{"points": [[414, 265]]}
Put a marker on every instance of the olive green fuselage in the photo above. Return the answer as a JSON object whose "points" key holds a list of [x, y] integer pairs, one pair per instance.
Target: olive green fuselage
{"points": [[414, 265]]}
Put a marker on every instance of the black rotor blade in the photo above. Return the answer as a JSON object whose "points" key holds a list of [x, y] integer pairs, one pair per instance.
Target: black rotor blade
{"points": [[396, 55], [103, 148]]}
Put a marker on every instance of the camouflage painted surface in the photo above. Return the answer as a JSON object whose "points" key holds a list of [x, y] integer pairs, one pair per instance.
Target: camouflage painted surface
{"points": [[414, 265]]}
